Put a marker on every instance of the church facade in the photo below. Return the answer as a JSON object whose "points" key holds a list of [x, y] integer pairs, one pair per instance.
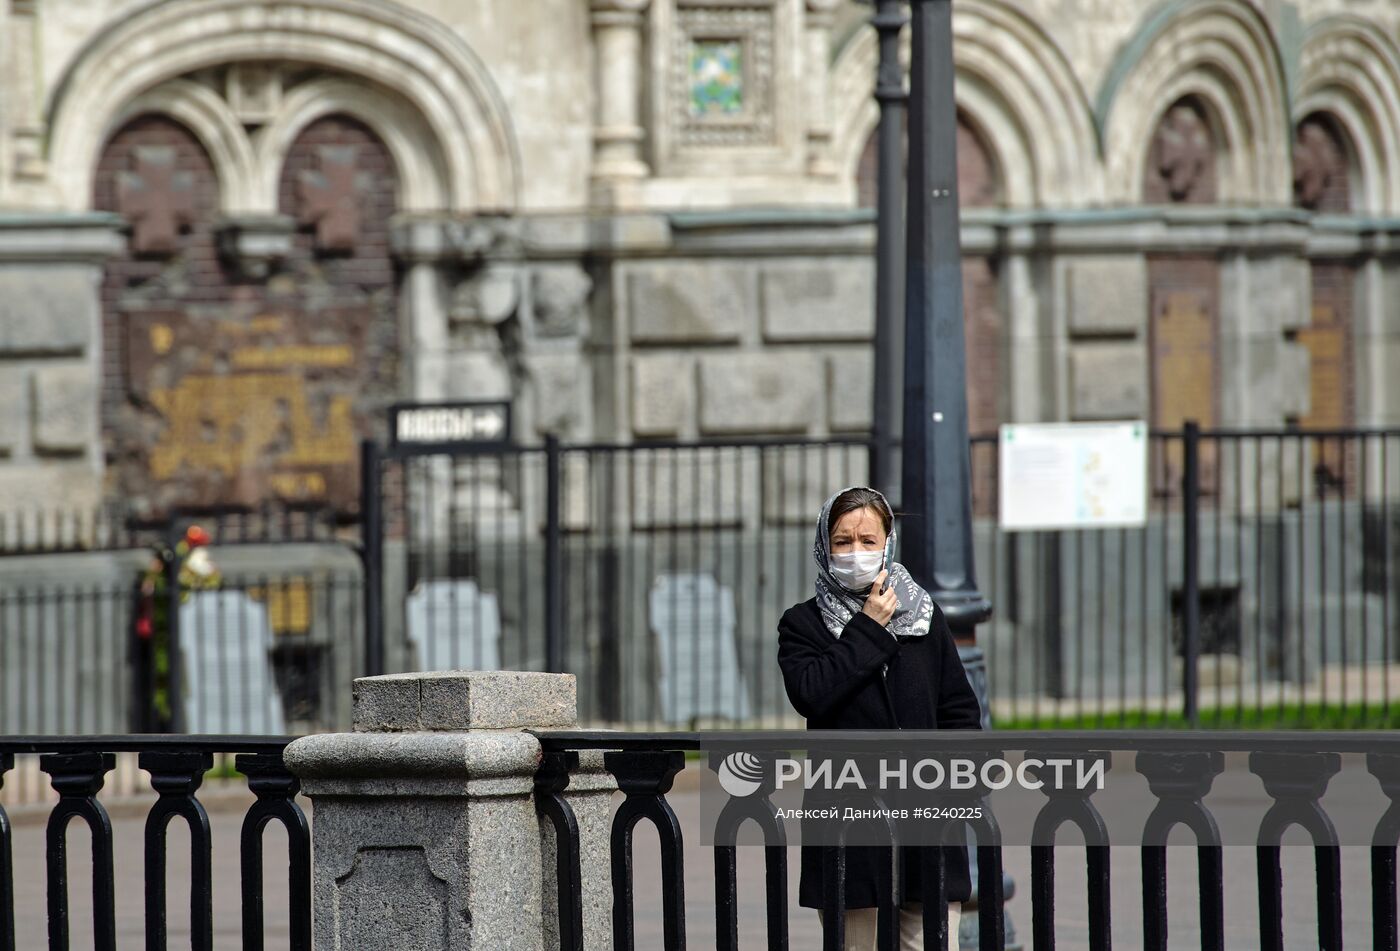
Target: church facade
{"points": [[233, 232]]}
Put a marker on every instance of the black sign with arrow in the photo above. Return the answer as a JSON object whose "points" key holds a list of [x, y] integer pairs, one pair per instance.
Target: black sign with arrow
{"points": [[444, 425]]}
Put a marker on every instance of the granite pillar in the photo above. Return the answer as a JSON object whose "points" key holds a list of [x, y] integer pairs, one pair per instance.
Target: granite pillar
{"points": [[425, 832]]}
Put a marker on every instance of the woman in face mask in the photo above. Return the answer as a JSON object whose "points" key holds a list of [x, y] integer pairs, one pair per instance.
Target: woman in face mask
{"points": [[864, 654]]}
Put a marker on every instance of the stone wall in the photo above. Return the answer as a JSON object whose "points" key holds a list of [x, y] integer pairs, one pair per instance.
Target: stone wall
{"points": [[641, 219], [50, 340]]}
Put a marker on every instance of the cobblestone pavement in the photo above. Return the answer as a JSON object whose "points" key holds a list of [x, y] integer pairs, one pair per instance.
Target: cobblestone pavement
{"points": [[1072, 927]]}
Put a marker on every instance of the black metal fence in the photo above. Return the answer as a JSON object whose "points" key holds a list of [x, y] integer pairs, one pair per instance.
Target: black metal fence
{"points": [[657, 573], [77, 768], [108, 639], [1179, 768], [261, 653], [1258, 593]]}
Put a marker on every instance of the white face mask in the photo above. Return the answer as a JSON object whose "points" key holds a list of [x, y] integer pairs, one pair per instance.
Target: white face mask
{"points": [[857, 570]]}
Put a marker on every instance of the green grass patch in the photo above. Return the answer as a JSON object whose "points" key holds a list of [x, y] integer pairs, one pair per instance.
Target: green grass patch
{"points": [[1307, 716], [223, 769]]}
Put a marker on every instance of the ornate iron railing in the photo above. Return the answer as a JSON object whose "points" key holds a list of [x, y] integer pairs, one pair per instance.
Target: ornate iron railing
{"points": [[78, 766], [1179, 768]]}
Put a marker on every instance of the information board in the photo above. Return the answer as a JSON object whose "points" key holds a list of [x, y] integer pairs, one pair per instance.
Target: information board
{"points": [[1073, 475]]}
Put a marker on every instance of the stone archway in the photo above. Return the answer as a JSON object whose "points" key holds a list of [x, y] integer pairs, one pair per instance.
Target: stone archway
{"points": [[1220, 55], [1031, 112], [430, 72]]}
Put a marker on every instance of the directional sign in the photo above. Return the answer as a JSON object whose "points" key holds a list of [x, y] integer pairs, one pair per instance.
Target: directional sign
{"points": [[448, 424], [1073, 475]]}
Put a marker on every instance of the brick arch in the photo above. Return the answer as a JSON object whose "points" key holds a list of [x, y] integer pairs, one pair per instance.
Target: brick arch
{"points": [[1224, 54], [338, 182], [224, 387], [1349, 72], [128, 417]]}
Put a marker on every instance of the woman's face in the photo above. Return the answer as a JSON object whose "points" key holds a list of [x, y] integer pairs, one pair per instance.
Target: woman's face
{"points": [[858, 530]]}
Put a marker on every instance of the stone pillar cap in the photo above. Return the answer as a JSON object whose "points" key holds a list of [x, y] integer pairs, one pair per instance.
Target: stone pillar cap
{"points": [[448, 700]]}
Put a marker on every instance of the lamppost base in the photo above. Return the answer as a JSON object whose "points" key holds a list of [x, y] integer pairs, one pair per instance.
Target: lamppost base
{"points": [[968, 929], [964, 611]]}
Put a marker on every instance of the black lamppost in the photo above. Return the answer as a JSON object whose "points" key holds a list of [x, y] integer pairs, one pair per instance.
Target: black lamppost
{"points": [[936, 483], [889, 20], [936, 472]]}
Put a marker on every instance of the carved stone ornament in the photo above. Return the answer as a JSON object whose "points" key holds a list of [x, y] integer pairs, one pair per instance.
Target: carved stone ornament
{"points": [[255, 244], [559, 298], [489, 297], [254, 92], [1182, 151], [1319, 164]]}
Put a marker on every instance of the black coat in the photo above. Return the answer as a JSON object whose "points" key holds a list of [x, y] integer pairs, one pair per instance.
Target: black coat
{"points": [[836, 684]]}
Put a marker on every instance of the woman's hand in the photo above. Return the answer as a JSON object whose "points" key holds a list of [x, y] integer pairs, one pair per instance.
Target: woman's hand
{"points": [[880, 605]]}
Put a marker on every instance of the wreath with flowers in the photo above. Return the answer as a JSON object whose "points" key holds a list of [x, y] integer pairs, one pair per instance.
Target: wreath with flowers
{"points": [[193, 570]]}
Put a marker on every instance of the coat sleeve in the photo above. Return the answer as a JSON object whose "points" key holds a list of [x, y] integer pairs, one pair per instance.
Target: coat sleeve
{"points": [[958, 708], [821, 674]]}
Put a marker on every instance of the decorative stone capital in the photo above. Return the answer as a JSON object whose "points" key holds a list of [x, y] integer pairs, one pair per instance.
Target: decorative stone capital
{"points": [[255, 244], [429, 239], [465, 700], [617, 12], [488, 297]]}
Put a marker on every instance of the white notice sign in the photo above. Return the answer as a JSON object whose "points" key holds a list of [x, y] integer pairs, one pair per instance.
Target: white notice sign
{"points": [[1073, 475], [431, 424]]}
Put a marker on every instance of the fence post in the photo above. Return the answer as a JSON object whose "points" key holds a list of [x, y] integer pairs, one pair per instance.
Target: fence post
{"points": [[553, 561], [141, 656], [372, 553], [174, 663], [1191, 570], [426, 816]]}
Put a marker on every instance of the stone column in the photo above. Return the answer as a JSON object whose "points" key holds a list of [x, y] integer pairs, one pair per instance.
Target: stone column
{"points": [[820, 16], [617, 130], [425, 833], [23, 77]]}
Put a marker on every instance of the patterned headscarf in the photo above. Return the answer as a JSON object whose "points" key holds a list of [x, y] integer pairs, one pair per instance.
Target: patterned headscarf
{"points": [[838, 605]]}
